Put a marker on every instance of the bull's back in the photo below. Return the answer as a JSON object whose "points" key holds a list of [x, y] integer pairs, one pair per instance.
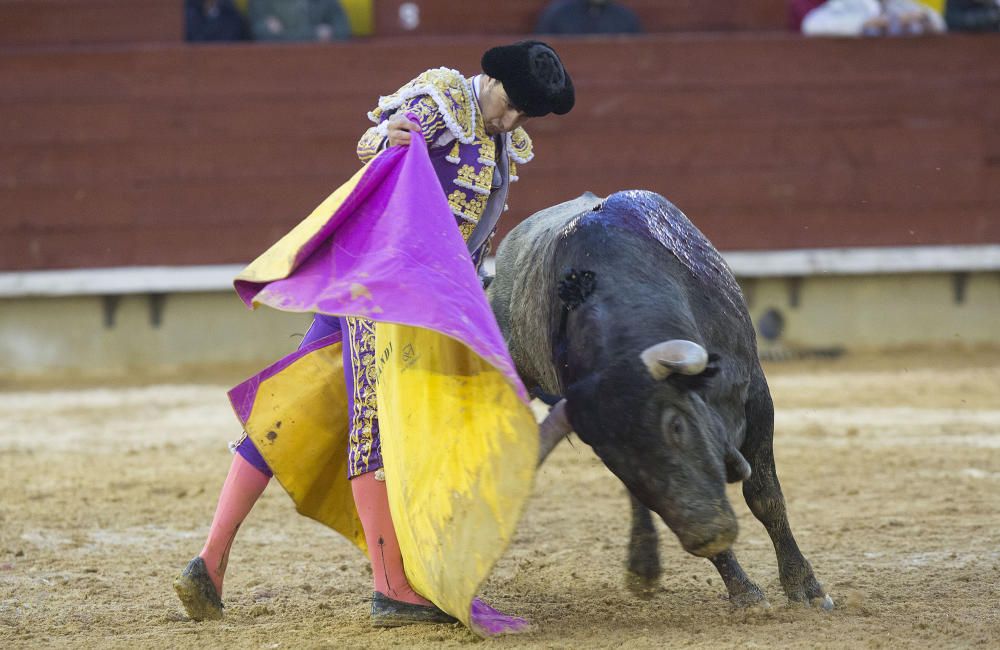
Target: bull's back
{"points": [[651, 216], [637, 243]]}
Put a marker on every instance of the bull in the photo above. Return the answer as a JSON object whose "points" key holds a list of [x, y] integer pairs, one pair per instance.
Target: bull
{"points": [[622, 307]]}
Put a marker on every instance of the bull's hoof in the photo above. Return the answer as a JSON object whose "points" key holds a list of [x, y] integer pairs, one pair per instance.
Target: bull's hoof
{"points": [[642, 566], [751, 597], [825, 603], [809, 592], [750, 601], [644, 587]]}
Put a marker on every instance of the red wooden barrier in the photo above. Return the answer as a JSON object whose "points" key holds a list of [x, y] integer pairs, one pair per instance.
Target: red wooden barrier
{"points": [[201, 155], [75, 22]]}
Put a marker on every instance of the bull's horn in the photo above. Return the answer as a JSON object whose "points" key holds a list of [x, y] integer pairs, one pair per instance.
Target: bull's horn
{"points": [[678, 355], [737, 467]]}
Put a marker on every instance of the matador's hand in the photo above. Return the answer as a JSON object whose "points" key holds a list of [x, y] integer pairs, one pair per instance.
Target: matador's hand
{"points": [[399, 130]]}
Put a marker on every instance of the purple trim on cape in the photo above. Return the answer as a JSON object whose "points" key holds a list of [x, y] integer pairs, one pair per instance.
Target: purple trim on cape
{"points": [[491, 622], [243, 395]]}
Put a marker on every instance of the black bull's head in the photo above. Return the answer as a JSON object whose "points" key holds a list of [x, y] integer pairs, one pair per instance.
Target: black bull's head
{"points": [[649, 421]]}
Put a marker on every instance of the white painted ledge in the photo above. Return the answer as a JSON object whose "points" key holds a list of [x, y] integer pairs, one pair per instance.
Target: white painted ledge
{"points": [[119, 280], [864, 261], [745, 264]]}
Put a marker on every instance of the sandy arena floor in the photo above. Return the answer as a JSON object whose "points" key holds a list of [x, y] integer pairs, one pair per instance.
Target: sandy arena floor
{"points": [[890, 466]]}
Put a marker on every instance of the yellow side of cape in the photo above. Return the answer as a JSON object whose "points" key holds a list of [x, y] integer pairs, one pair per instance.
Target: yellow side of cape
{"points": [[299, 424], [458, 470]]}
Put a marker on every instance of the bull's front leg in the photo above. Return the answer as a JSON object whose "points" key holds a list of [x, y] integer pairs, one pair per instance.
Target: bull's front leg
{"points": [[643, 563], [763, 494], [742, 590], [552, 430]]}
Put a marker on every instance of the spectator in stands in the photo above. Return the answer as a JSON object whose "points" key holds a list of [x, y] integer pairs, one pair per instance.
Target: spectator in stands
{"points": [[872, 18], [299, 20], [798, 9], [587, 17], [973, 15], [908, 18], [840, 18], [214, 20]]}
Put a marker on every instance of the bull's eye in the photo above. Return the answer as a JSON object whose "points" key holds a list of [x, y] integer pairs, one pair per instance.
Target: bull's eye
{"points": [[676, 429]]}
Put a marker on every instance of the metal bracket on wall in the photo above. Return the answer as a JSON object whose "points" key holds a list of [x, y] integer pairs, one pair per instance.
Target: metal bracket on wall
{"points": [[156, 303], [959, 284], [109, 306], [794, 286]]}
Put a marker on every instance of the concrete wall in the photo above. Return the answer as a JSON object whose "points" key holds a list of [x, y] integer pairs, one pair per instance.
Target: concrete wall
{"points": [[878, 312], [72, 336]]}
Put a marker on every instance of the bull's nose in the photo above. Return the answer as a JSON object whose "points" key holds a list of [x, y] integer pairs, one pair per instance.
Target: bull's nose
{"points": [[714, 546], [711, 537]]}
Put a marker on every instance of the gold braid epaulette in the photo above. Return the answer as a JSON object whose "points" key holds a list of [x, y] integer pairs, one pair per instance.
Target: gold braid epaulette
{"points": [[473, 152], [519, 146], [450, 91]]}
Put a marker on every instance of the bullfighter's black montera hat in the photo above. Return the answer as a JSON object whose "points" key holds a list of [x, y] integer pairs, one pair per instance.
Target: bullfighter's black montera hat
{"points": [[533, 76]]}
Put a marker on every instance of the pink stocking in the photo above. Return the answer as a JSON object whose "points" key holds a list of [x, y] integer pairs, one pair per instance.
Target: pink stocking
{"points": [[372, 501], [244, 485]]}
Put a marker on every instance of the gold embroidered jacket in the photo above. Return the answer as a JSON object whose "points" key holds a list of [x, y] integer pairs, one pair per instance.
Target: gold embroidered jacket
{"points": [[464, 156]]}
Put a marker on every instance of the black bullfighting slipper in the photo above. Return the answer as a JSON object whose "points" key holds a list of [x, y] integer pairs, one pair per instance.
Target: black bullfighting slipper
{"points": [[387, 612], [197, 593]]}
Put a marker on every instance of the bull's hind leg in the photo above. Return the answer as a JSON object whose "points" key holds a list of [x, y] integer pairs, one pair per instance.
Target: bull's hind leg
{"points": [[763, 494], [643, 563]]}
